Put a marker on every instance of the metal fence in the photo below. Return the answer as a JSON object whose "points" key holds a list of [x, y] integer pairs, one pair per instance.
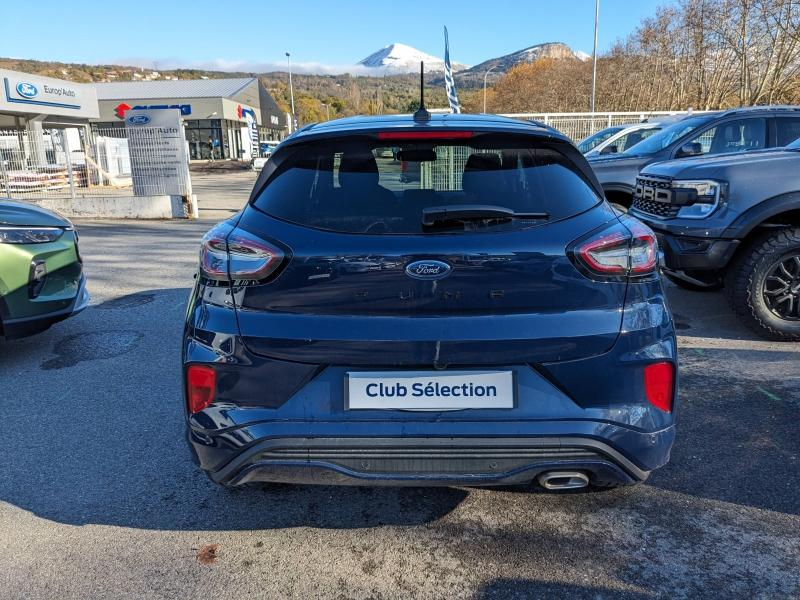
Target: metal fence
{"points": [[578, 125], [80, 162], [445, 173]]}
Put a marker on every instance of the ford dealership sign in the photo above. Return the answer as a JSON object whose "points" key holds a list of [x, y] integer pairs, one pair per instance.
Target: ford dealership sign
{"points": [[138, 120], [27, 90], [25, 93]]}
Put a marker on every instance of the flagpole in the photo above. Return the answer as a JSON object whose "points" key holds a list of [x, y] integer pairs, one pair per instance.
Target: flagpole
{"points": [[594, 52], [449, 82], [485, 75]]}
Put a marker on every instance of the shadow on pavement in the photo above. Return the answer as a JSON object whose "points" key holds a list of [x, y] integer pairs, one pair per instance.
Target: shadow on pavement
{"points": [[529, 589]]}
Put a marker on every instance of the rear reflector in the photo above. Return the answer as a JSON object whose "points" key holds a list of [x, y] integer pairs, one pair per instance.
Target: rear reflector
{"points": [[424, 135], [659, 383], [201, 385]]}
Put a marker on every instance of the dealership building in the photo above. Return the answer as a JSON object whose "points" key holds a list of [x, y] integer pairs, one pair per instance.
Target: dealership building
{"points": [[29, 101], [223, 118]]}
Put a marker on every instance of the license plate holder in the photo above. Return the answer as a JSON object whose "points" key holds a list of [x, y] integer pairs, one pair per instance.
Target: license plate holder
{"points": [[430, 390]]}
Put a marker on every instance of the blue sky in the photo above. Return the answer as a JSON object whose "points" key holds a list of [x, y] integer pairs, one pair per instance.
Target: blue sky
{"points": [[321, 35]]}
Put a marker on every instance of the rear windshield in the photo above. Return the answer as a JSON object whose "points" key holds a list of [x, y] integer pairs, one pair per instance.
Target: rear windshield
{"points": [[360, 185]]}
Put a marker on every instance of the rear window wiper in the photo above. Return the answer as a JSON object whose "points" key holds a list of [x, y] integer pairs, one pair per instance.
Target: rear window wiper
{"points": [[474, 212]]}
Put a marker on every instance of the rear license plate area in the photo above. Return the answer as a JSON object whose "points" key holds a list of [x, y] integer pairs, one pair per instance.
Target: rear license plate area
{"points": [[429, 390]]}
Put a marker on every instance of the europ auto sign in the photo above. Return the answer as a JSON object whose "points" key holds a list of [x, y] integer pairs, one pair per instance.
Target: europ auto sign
{"points": [[122, 108]]}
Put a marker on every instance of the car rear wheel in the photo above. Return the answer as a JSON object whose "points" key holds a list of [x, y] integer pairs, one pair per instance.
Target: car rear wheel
{"points": [[619, 200], [763, 285], [712, 280]]}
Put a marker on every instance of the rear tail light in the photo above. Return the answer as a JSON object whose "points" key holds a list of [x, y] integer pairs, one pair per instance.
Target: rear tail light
{"points": [[229, 254], [659, 385], [626, 249], [201, 385]]}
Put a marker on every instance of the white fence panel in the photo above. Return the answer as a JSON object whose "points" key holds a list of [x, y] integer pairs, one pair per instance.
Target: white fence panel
{"points": [[578, 125], [78, 162]]}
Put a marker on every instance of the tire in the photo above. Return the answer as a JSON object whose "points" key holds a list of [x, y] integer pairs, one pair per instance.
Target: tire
{"points": [[619, 200], [755, 285], [715, 285]]}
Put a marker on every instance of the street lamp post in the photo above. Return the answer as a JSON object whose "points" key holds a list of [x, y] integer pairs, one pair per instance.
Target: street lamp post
{"points": [[485, 75], [291, 89], [594, 52]]}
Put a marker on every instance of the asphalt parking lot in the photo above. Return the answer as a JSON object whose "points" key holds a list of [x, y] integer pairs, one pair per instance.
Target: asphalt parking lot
{"points": [[98, 497]]}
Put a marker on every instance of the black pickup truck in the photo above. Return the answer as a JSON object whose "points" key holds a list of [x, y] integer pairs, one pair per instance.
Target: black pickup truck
{"points": [[702, 134], [731, 221]]}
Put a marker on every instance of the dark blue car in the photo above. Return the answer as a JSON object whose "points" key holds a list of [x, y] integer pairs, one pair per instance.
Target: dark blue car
{"points": [[493, 322]]}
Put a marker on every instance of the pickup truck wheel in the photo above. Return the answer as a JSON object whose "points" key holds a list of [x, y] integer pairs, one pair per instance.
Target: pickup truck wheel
{"points": [[714, 282], [763, 285]]}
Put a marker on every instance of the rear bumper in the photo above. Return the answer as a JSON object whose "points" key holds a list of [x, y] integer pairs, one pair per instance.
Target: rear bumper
{"points": [[23, 327], [444, 460]]}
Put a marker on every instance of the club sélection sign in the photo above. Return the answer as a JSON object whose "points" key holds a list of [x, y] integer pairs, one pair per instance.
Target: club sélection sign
{"points": [[426, 390], [157, 146]]}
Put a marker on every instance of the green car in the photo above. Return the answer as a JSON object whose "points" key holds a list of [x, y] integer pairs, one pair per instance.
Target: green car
{"points": [[41, 272]]}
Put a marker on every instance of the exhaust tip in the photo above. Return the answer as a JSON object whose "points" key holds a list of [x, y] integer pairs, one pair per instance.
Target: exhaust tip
{"points": [[563, 480]]}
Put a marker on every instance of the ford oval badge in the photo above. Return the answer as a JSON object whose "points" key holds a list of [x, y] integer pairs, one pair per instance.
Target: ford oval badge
{"points": [[139, 120], [27, 90], [428, 269]]}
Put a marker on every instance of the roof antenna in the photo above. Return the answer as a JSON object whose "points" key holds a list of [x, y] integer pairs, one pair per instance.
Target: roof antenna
{"points": [[422, 113]]}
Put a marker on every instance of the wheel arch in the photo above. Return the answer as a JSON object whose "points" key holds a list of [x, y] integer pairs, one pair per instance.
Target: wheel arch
{"points": [[776, 213], [779, 211], [619, 193]]}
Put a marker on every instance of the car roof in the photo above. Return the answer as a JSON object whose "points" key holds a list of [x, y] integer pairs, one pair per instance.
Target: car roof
{"points": [[641, 125], [787, 108], [438, 122]]}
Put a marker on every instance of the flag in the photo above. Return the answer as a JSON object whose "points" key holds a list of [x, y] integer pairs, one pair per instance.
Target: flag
{"points": [[449, 84]]}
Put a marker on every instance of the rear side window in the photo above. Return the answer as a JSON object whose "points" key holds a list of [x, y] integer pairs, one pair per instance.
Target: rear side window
{"points": [[598, 138], [363, 185], [788, 130], [733, 136], [630, 140]]}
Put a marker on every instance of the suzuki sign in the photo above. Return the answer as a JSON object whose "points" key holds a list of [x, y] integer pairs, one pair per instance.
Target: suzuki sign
{"points": [[122, 108]]}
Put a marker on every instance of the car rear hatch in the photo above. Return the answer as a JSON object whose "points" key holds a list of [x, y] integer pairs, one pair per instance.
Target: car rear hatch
{"points": [[470, 265]]}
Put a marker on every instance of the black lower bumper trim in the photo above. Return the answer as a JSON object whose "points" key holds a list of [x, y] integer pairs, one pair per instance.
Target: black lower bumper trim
{"points": [[425, 461], [695, 254]]}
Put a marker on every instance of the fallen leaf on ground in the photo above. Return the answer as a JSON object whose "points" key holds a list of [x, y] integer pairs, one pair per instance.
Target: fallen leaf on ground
{"points": [[207, 555]]}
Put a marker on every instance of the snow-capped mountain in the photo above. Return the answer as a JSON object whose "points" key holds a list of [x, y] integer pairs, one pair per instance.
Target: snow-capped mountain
{"points": [[581, 55], [400, 58]]}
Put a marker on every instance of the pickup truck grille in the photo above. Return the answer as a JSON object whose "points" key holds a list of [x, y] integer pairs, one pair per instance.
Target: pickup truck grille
{"points": [[653, 196]]}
